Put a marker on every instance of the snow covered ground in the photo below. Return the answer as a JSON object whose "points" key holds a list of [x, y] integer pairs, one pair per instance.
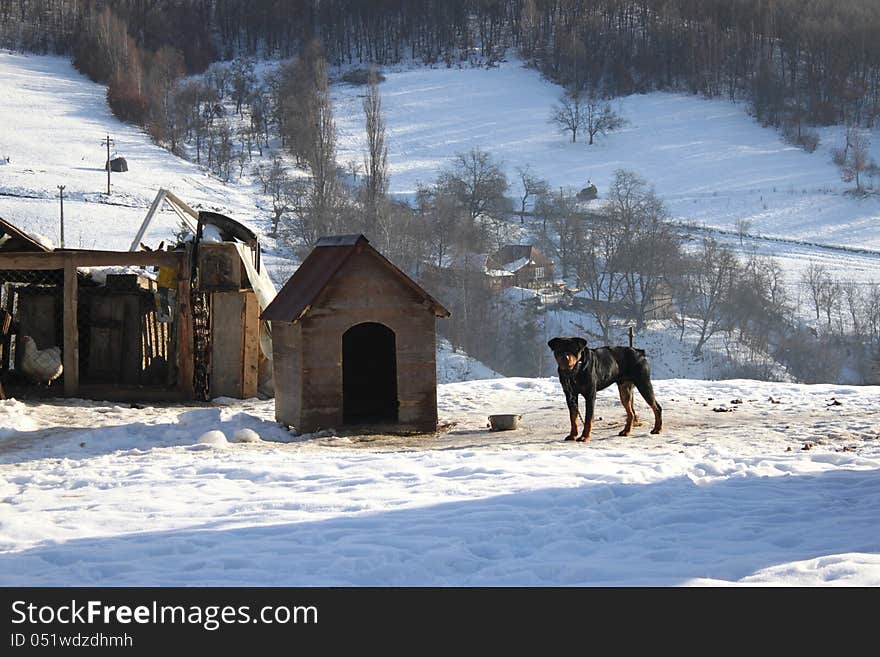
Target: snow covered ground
{"points": [[780, 489]]}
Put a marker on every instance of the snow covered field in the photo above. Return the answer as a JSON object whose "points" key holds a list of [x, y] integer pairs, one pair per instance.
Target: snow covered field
{"points": [[709, 161], [96, 494]]}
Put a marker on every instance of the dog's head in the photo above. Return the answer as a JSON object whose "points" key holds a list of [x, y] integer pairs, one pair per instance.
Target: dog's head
{"points": [[567, 351]]}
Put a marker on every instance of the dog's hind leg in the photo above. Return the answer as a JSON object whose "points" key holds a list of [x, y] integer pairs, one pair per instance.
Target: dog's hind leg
{"points": [[647, 392], [626, 398]]}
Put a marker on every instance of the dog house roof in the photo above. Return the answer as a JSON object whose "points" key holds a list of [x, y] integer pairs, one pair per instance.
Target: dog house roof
{"points": [[328, 257]]}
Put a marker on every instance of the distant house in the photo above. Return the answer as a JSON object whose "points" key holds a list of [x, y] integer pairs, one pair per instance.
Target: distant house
{"points": [[473, 266], [528, 265]]}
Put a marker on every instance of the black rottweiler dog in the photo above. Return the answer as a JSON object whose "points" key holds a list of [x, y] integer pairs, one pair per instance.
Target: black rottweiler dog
{"points": [[584, 371]]}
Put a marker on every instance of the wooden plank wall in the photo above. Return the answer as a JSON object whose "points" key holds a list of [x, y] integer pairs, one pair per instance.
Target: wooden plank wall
{"points": [[70, 352], [235, 344], [287, 351]]}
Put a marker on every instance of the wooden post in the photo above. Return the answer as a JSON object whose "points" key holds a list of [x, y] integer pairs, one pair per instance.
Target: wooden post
{"points": [[6, 346], [71, 329], [108, 141], [186, 363], [61, 193], [5, 328], [631, 336]]}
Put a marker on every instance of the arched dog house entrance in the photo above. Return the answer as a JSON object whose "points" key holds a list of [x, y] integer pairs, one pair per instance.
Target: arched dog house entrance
{"points": [[369, 374]]}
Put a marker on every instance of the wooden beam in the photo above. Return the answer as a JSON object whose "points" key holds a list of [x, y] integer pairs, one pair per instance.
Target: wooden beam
{"points": [[71, 330], [185, 349], [81, 258]]}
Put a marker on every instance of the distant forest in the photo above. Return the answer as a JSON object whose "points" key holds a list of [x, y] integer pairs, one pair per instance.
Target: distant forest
{"points": [[812, 61]]}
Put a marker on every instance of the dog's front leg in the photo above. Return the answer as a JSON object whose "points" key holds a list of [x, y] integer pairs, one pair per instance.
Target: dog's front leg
{"points": [[590, 399], [571, 398]]}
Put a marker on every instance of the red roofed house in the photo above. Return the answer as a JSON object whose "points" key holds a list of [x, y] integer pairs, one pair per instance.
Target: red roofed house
{"points": [[530, 267]]}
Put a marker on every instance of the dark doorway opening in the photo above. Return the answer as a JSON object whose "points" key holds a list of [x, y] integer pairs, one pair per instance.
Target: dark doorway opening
{"points": [[369, 374]]}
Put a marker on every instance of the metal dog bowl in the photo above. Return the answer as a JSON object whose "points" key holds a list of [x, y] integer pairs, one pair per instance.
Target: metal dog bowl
{"points": [[504, 422]]}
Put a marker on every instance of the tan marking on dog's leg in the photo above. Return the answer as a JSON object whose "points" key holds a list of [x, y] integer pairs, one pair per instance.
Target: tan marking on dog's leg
{"points": [[626, 398], [588, 429], [658, 418]]}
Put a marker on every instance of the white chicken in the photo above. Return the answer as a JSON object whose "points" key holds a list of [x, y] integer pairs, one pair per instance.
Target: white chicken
{"points": [[40, 365]]}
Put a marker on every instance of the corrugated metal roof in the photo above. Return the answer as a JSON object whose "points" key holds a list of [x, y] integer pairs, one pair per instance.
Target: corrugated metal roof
{"points": [[327, 258]]}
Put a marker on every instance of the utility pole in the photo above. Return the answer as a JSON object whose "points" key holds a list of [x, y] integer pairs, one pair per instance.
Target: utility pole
{"points": [[108, 141], [61, 194]]}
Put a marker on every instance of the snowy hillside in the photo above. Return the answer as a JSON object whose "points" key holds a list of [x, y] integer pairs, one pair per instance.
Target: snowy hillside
{"points": [[708, 159], [454, 366], [750, 483], [54, 121]]}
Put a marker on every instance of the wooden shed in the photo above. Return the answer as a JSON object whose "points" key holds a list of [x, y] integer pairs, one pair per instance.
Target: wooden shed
{"points": [[166, 324], [354, 342]]}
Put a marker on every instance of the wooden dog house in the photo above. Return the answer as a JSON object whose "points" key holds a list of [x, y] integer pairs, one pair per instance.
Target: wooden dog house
{"points": [[354, 342]]}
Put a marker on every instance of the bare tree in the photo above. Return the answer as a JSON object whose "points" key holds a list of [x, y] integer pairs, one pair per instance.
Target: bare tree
{"points": [[816, 279], [743, 226], [855, 306], [243, 81], [626, 256], [568, 112], [648, 248], [479, 186], [306, 119], [442, 213], [598, 275], [599, 118], [708, 287], [376, 160], [532, 188], [856, 159], [562, 230], [276, 184]]}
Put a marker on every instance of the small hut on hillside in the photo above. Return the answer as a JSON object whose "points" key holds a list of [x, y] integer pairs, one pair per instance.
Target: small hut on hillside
{"points": [[117, 164], [354, 342]]}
